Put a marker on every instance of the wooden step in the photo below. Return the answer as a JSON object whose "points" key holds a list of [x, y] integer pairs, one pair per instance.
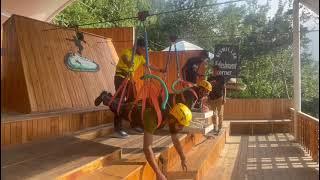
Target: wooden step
{"points": [[95, 132], [114, 172], [199, 159], [197, 115], [23, 152], [48, 159], [133, 164], [201, 123], [201, 130], [81, 156], [252, 127]]}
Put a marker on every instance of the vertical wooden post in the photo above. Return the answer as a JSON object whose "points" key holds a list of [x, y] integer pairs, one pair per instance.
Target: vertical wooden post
{"points": [[296, 57], [295, 125]]}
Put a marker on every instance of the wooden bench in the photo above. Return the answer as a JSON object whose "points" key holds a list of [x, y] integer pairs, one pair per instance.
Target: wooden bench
{"points": [[252, 127], [26, 128], [11, 117]]}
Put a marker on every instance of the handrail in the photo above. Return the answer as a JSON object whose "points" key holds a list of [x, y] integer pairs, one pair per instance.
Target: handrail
{"points": [[308, 116], [307, 132]]}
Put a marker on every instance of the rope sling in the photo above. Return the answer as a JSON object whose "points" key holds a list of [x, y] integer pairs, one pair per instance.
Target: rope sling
{"points": [[148, 90], [186, 86]]}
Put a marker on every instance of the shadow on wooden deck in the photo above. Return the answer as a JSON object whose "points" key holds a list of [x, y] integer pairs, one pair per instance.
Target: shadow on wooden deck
{"points": [[274, 157]]}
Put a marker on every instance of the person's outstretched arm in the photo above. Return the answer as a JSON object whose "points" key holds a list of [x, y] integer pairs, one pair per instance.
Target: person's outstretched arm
{"points": [[148, 152], [177, 145]]}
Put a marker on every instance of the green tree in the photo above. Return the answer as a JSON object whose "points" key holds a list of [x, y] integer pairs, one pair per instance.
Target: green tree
{"points": [[265, 44]]}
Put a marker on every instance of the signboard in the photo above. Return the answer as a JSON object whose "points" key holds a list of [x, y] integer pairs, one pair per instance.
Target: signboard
{"points": [[227, 58]]}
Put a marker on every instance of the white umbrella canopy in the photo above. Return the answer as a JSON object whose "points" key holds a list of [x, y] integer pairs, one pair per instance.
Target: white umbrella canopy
{"points": [[186, 46]]}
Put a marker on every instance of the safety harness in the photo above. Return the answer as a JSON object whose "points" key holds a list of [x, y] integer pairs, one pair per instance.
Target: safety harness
{"points": [[149, 89], [186, 86]]}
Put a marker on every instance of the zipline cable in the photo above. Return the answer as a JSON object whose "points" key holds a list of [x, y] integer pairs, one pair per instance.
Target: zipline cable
{"points": [[161, 13]]}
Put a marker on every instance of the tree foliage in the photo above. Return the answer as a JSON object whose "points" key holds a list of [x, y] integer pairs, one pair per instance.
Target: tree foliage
{"points": [[265, 43]]}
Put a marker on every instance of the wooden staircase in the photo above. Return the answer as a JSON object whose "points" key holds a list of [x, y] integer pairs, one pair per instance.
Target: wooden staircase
{"points": [[92, 154], [202, 156]]}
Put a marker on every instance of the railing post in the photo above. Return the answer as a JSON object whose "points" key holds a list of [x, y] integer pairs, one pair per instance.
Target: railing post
{"points": [[295, 125]]}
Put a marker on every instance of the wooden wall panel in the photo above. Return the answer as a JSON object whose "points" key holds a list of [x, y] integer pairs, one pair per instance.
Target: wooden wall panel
{"points": [[122, 38], [45, 83], [29, 129], [13, 84], [249, 109]]}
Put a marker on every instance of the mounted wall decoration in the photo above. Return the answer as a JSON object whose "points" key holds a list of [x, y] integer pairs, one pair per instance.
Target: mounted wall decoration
{"points": [[41, 69], [76, 62]]}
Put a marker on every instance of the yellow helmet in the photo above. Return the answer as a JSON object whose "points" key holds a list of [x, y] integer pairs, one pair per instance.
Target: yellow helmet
{"points": [[182, 113], [205, 84]]}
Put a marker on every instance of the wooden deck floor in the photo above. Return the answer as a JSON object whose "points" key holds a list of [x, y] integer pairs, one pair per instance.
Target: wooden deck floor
{"points": [[52, 158], [263, 157]]}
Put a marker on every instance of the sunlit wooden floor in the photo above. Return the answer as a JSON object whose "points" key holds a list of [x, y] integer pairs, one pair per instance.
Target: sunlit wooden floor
{"points": [[263, 157]]}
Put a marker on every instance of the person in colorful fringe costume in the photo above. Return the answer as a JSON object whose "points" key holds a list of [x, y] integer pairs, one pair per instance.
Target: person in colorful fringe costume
{"points": [[176, 118], [130, 60]]}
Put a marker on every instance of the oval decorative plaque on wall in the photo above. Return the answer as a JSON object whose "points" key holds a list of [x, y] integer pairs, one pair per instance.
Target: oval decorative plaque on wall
{"points": [[76, 62]]}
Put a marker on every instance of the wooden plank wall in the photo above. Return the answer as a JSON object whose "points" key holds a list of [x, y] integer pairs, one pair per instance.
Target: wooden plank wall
{"points": [[122, 38], [255, 109], [38, 62], [27, 130], [13, 85]]}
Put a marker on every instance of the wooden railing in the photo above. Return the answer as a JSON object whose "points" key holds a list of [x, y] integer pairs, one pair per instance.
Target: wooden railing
{"points": [[255, 109], [307, 133]]}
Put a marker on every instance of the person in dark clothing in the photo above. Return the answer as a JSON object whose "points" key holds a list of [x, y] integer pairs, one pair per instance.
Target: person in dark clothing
{"points": [[191, 68], [218, 95], [176, 118]]}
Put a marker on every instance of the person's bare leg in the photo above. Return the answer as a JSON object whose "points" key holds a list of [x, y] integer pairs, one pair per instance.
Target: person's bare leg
{"points": [[220, 113], [215, 111], [148, 152]]}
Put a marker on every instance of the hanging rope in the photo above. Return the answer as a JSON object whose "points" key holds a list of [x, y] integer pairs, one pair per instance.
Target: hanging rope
{"points": [[148, 90], [124, 85], [186, 86]]}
